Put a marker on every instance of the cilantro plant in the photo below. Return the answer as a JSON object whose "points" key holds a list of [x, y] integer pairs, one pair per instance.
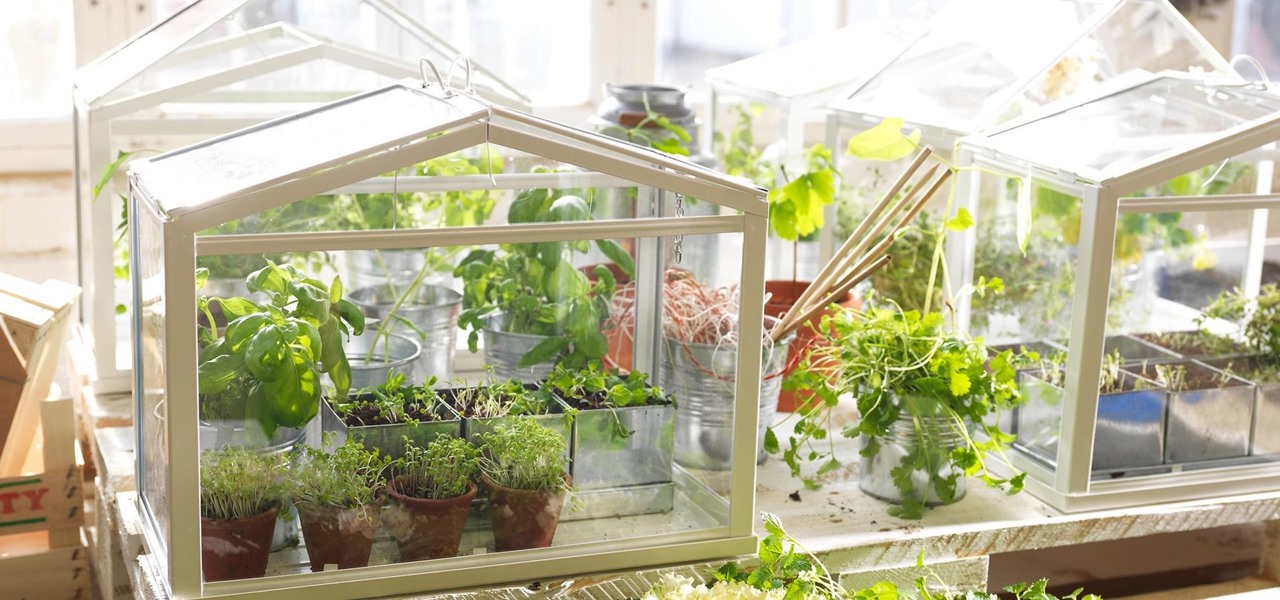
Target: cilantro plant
{"points": [[903, 366], [266, 366], [535, 288], [350, 477]]}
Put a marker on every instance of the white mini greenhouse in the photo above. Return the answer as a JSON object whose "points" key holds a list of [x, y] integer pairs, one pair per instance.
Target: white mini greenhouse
{"points": [[602, 226], [981, 63], [1134, 208], [212, 67]]}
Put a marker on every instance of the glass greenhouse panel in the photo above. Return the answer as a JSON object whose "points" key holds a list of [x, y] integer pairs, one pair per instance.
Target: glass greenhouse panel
{"points": [[973, 59], [1134, 125], [152, 373]]}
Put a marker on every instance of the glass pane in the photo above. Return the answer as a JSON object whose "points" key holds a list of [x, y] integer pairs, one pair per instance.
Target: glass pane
{"points": [[972, 61], [639, 469], [102, 77], [150, 368], [1123, 129], [1150, 36], [778, 71], [200, 173]]}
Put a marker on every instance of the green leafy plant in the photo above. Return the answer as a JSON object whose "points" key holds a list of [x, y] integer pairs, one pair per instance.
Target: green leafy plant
{"points": [[597, 387], [739, 156], [443, 469], [795, 209], [266, 366], [655, 131], [391, 402], [500, 399], [351, 477], [535, 288], [900, 364], [525, 456], [236, 483], [1259, 317]]}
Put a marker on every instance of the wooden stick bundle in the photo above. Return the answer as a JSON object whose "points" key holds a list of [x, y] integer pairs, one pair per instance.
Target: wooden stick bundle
{"points": [[865, 251]]}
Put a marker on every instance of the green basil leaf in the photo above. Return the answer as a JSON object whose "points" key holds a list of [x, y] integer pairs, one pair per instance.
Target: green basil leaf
{"points": [[568, 208], [266, 354], [242, 329], [350, 313], [234, 308], [594, 345], [312, 301], [202, 277], [546, 351], [618, 255], [335, 290], [270, 278], [217, 374]]}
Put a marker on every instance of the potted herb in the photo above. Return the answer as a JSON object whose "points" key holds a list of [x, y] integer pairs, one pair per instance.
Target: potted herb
{"points": [[1130, 430], [487, 406], [534, 308], [923, 393], [623, 426], [241, 492], [387, 416], [339, 496], [265, 368], [525, 469], [432, 490], [1210, 411]]}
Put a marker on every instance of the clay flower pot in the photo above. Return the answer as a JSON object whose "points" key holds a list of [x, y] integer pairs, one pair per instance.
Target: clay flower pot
{"points": [[341, 536], [236, 548], [523, 519], [427, 528], [783, 295]]}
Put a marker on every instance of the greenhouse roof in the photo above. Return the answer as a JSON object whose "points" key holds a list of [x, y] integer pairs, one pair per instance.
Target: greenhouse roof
{"points": [[398, 125], [845, 55], [1140, 122], [983, 62], [222, 45]]}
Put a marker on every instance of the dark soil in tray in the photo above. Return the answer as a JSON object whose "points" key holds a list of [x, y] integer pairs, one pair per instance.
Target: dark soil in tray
{"points": [[365, 412], [1194, 343]]}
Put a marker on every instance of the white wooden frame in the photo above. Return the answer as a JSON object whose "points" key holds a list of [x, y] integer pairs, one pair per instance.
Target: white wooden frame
{"points": [[1104, 197], [178, 556]]}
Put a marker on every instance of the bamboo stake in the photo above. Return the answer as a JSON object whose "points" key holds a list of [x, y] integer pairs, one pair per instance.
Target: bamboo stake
{"points": [[846, 256], [777, 333], [885, 202]]}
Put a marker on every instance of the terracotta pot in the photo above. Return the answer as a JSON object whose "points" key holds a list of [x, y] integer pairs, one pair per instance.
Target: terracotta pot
{"points": [[783, 295], [523, 519], [236, 548], [341, 536], [427, 528], [621, 345]]}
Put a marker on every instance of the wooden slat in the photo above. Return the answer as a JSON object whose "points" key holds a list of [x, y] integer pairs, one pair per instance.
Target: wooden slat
{"points": [[959, 575], [40, 502], [58, 574]]}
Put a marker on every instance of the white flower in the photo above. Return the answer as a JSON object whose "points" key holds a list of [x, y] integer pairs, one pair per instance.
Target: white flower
{"points": [[679, 587]]}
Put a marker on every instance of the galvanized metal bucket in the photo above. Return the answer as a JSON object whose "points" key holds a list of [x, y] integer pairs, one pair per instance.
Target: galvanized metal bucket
{"points": [[432, 312], [378, 267], [877, 478], [702, 378], [373, 356], [503, 351]]}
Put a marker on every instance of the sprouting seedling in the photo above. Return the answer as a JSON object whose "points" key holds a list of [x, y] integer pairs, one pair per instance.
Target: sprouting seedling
{"points": [[1172, 377], [1112, 379]]}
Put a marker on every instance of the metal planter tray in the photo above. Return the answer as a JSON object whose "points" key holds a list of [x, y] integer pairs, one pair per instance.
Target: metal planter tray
{"points": [[555, 420], [655, 498], [389, 439], [1130, 431], [603, 458], [1266, 405], [1208, 423]]}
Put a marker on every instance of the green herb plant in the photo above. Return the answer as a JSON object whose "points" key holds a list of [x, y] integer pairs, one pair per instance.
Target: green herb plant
{"points": [[236, 483], [535, 288], [443, 469], [903, 365], [595, 386], [266, 366], [525, 456], [1258, 317], [501, 399], [784, 569], [390, 402], [350, 477]]}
